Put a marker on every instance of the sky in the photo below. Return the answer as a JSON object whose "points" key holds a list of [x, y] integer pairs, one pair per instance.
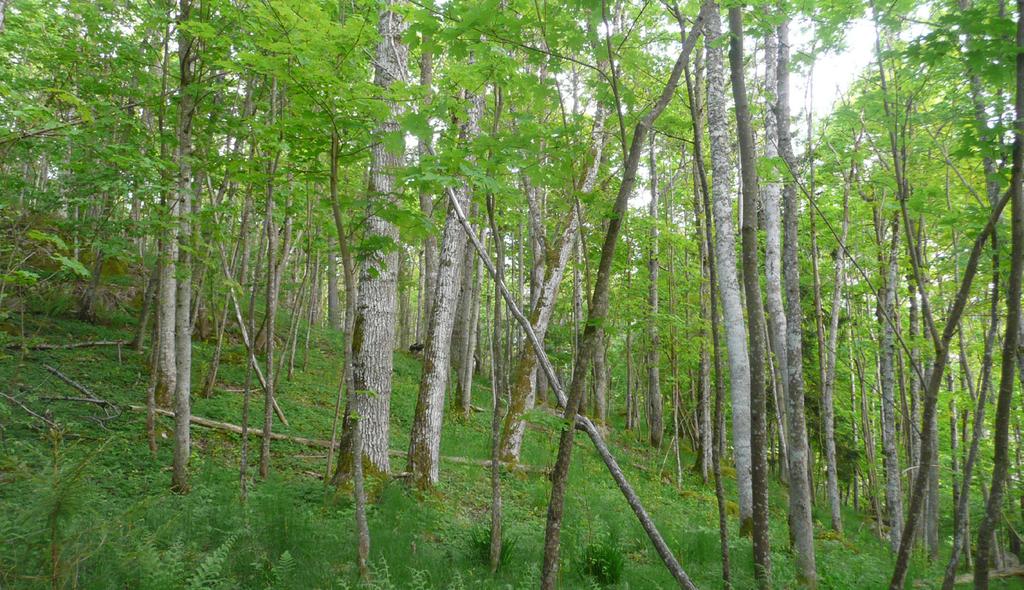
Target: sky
{"points": [[834, 72]]}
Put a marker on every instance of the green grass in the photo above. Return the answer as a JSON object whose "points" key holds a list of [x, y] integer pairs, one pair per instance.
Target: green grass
{"points": [[95, 496]]}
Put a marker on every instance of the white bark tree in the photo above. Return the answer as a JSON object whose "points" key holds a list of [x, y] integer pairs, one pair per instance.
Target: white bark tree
{"points": [[801, 523], [722, 189], [182, 341], [425, 440]]}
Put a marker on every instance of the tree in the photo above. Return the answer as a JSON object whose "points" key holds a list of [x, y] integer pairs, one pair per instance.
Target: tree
{"points": [[374, 328], [425, 441], [728, 278]]}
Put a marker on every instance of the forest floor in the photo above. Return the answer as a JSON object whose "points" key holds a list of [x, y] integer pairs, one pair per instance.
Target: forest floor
{"points": [[91, 508]]}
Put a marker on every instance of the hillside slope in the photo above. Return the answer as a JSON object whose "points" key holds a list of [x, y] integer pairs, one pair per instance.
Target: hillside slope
{"points": [[84, 504]]}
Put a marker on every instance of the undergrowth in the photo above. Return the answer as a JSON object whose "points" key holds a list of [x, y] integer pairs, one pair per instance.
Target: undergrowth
{"points": [[84, 505]]}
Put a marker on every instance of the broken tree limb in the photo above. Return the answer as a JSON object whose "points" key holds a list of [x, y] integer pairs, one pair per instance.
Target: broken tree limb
{"points": [[48, 346], [28, 410], [75, 384], [249, 346], [309, 442], [228, 427]]}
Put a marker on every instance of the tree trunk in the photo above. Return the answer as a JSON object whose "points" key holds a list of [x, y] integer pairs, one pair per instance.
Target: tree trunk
{"points": [[425, 438], [597, 312], [703, 209], [498, 387], [887, 353], [655, 407], [269, 321], [828, 385], [334, 311], [772, 195], [430, 254], [374, 330], [728, 278], [523, 393], [801, 524], [1004, 405], [755, 308], [187, 56]]}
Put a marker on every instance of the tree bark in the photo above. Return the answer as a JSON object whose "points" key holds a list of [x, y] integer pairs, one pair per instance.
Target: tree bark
{"points": [[755, 308], [801, 524], [772, 195], [425, 438], [187, 57], [703, 207], [374, 329], [655, 407], [728, 278], [1004, 405]]}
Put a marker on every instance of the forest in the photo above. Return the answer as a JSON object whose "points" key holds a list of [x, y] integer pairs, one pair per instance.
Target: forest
{"points": [[460, 294]]}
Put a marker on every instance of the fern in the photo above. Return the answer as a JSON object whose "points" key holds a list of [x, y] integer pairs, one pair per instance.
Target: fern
{"points": [[208, 574], [282, 570]]}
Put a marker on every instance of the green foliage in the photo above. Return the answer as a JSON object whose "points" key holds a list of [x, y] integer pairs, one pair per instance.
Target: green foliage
{"points": [[603, 559]]}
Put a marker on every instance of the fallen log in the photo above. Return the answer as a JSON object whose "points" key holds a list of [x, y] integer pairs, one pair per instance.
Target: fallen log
{"points": [[49, 346], [228, 427], [75, 384], [277, 408], [322, 443]]}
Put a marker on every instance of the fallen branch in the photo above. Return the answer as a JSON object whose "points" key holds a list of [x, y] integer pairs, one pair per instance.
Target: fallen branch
{"points": [[277, 408], [48, 346], [319, 442], [27, 409], [228, 427], [78, 386], [82, 400]]}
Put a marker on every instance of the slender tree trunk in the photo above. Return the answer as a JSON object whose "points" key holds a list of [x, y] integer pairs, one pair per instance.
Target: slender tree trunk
{"points": [[887, 353], [655, 406], [801, 524], [755, 308], [728, 278], [187, 57], [270, 228], [334, 311], [425, 439], [522, 394], [831, 350], [498, 386], [597, 312], [772, 194], [1004, 405], [148, 300]]}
